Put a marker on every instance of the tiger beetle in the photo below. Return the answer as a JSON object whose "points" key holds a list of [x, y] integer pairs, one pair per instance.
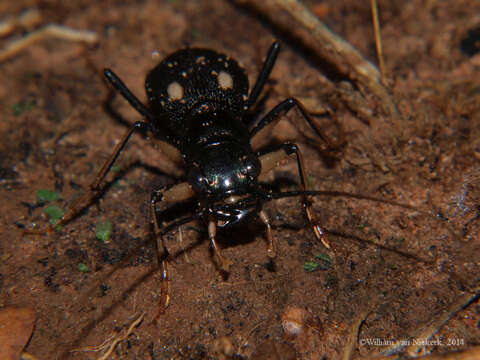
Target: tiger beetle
{"points": [[199, 107]]}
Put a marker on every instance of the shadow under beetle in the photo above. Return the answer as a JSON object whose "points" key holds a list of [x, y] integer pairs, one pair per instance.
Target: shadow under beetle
{"points": [[198, 109]]}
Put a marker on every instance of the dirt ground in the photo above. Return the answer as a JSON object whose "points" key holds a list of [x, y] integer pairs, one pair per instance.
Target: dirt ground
{"points": [[392, 274]]}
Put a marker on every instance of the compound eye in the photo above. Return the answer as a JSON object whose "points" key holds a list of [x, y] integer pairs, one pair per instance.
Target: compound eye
{"points": [[198, 181], [252, 167]]}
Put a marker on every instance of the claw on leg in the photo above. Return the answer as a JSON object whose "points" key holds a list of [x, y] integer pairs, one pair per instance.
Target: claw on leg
{"points": [[319, 233], [75, 208]]}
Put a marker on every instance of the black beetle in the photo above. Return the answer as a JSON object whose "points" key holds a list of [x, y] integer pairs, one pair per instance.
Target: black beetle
{"points": [[198, 109]]}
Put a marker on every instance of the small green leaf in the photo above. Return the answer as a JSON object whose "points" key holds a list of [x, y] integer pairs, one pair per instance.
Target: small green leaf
{"points": [[44, 195], [324, 257], [310, 266], [103, 231], [83, 268], [54, 213], [19, 108]]}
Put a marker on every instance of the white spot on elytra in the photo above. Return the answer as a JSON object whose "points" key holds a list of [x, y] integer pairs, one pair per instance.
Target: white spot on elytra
{"points": [[225, 80], [175, 91], [155, 55]]}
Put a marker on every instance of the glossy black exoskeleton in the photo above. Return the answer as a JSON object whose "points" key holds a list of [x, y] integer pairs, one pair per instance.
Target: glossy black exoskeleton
{"points": [[198, 109], [200, 98]]}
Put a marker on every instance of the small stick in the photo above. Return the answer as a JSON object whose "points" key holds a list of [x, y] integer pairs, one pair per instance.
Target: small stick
{"points": [[122, 337], [353, 335], [436, 324], [28, 19], [315, 35], [426, 332], [250, 332], [111, 343], [469, 354], [52, 30], [378, 40]]}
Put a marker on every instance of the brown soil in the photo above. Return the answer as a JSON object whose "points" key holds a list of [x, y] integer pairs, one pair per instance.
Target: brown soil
{"points": [[391, 271]]}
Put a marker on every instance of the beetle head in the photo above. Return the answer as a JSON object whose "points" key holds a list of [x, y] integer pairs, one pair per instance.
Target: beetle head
{"points": [[225, 179]]}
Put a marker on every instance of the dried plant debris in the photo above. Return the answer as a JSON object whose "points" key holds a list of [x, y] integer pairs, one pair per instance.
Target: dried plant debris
{"points": [[28, 20], [16, 326]]}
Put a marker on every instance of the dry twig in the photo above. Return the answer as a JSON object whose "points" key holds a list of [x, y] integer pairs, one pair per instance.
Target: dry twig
{"points": [[111, 343], [378, 40], [429, 330], [353, 336], [470, 354], [48, 31], [426, 332], [294, 17], [28, 19]]}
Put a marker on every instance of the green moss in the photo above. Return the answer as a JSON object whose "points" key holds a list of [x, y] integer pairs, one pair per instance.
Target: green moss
{"points": [[54, 213], [103, 232], [21, 107], [44, 195], [324, 257], [83, 268], [310, 266]]}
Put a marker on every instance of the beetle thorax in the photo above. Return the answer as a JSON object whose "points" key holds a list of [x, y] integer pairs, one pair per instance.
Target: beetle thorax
{"points": [[222, 169]]}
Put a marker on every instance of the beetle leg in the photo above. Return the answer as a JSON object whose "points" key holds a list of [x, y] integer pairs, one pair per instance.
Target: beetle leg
{"points": [[272, 248], [275, 114], [264, 73], [212, 231], [272, 159], [96, 187], [118, 84], [179, 192], [159, 243]]}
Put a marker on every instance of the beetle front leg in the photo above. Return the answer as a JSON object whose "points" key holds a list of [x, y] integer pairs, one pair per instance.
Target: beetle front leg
{"points": [[272, 248], [179, 192], [212, 231], [159, 243], [272, 159]]}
